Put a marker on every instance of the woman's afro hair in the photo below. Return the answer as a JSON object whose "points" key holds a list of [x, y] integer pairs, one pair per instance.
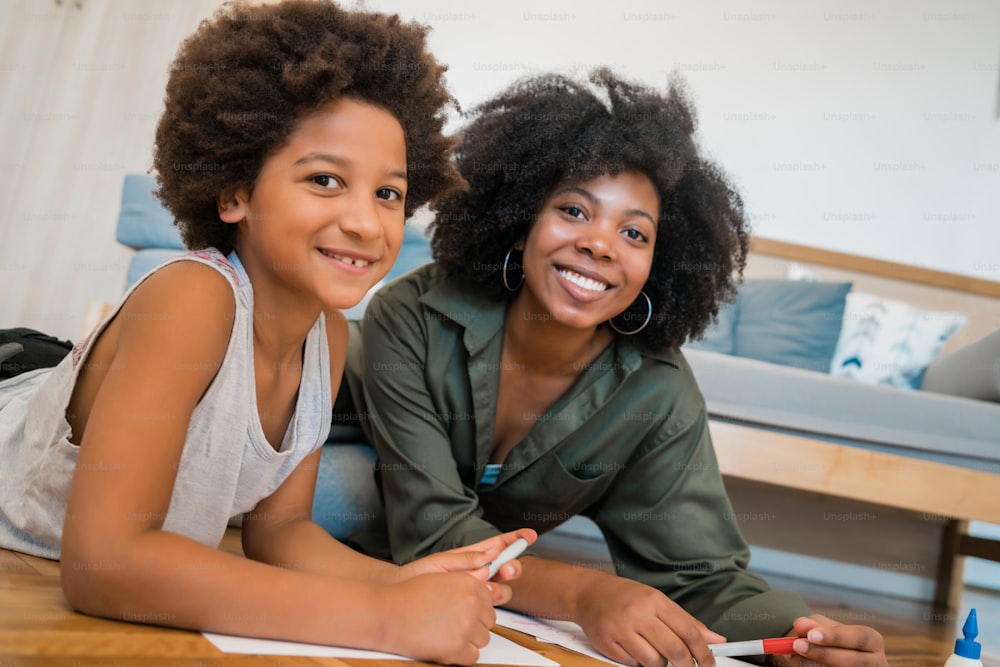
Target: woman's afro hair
{"points": [[240, 84], [547, 130]]}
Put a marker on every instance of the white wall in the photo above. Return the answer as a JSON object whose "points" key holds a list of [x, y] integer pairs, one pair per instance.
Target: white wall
{"points": [[868, 128]]}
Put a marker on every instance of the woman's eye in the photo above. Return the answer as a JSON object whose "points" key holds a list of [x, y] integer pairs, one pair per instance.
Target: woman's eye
{"points": [[389, 194], [635, 235], [573, 211], [325, 181]]}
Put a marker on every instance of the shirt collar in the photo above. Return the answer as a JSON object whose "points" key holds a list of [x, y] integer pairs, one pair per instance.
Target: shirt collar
{"points": [[481, 315]]}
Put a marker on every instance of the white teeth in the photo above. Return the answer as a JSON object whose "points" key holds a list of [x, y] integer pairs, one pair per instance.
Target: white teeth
{"points": [[348, 260], [583, 281]]}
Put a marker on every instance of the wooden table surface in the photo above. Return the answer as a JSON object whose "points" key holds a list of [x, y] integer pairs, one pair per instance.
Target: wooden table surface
{"points": [[38, 627]]}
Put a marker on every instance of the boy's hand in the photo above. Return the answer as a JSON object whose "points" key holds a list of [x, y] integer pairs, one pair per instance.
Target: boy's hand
{"points": [[474, 559], [826, 642], [443, 618], [635, 624]]}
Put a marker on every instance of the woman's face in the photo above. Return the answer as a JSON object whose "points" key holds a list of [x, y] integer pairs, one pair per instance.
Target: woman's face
{"points": [[590, 250]]}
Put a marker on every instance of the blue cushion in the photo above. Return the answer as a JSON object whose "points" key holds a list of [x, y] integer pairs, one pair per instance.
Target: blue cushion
{"points": [[146, 260], [143, 222], [790, 322], [720, 335]]}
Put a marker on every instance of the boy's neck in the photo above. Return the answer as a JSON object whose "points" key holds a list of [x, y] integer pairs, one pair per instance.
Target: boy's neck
{"points": [[281, 319]]}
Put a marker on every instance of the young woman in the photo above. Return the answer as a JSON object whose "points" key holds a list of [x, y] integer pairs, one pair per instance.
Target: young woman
{"points": [[291, 150], [533, 373]]}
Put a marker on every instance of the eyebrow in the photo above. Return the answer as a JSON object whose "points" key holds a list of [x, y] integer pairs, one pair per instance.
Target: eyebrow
{"points": [[632, 212], [341, 162]]}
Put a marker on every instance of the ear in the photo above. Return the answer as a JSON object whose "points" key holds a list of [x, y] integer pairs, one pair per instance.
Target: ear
{"points": [[520, 244], [232, 203]]}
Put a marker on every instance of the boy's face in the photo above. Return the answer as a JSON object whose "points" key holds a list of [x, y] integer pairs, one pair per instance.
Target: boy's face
{"points": [[324, 220], [590, 250]]}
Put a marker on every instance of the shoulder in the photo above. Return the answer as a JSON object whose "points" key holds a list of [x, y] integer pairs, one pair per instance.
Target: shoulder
{"points": [[404, 299], [412, 286], [185, 305], [184, 288], [675, 390]]}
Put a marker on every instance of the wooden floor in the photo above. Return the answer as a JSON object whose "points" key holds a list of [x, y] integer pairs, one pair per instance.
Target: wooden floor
{"points": [[37, 627]]}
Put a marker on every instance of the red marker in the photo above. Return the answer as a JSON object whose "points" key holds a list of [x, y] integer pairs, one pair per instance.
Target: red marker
{"points": [[781, 646]]}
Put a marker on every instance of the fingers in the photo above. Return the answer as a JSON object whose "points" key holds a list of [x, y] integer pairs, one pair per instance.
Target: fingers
{"points": [[804, 624], [708, 636], [475, 558], [841, 645], [465, 561], [501, 593], [652, 647], [653, 641], [685, 645], [501, 542]]}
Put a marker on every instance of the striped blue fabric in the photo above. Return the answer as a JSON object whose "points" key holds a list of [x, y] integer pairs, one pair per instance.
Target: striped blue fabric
{"points": [[490, 474]]}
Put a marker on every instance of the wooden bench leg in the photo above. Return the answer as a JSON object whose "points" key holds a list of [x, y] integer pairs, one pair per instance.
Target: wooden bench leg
{"points": [[949, 582]]}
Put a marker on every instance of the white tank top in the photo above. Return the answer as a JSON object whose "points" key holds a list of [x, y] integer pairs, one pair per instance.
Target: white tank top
{"points": [[227, 465]]}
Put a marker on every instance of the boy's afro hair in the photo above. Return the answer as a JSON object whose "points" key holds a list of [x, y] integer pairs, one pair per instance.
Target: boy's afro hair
{"points": [[240, 84], [550, 129]]}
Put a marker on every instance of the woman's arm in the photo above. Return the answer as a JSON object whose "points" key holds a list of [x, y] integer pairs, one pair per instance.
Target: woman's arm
{"points": [[116, 560]]}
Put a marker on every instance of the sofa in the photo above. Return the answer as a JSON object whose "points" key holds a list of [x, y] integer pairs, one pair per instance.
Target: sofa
{"points": [[813, 431], [880, 439]]}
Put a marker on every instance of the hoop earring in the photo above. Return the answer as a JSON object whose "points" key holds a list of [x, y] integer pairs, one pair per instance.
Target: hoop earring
{"points": [[506, 283], [649, 316]]}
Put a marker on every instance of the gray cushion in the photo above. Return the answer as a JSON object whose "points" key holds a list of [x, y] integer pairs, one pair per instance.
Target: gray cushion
{"points": [[972, 372], [954, 430]]}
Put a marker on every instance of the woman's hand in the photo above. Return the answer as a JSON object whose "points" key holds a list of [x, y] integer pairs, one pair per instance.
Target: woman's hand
{"points": [[635, 624], [475, 559], [826, 642]]}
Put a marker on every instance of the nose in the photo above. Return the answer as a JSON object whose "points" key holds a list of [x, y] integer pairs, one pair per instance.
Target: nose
{"points": [[359, 218], [597, 240]]}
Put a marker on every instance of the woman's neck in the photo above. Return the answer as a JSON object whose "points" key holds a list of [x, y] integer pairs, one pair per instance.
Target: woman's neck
{"points": [[547, 347]]}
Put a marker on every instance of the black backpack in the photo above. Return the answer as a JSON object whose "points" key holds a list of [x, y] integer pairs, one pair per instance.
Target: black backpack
{"points": [[23, 350]]}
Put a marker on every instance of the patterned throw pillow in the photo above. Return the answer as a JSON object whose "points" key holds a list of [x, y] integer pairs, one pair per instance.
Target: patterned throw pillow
{"points": [[890, 342]]}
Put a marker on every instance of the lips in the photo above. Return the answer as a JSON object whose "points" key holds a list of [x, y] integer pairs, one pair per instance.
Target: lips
{"points": [[582, 281], [352, 261]]}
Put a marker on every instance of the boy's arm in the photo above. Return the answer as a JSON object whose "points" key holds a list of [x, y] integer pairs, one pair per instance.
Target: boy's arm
{"points": [[118, 562], [280, 530]]}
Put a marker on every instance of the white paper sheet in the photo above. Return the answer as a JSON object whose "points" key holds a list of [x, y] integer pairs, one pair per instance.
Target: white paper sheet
{"points": [[570, 635], [500, 650]]}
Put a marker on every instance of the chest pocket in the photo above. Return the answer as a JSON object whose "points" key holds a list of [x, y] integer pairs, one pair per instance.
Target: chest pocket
{"points": [[545, 494]]}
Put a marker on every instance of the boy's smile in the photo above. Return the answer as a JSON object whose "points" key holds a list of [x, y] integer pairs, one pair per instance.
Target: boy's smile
{"points": [[323, 223]]}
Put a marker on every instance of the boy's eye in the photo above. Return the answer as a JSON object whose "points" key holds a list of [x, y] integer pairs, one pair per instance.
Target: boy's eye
{"points": [[325, 181], [389, 194]]}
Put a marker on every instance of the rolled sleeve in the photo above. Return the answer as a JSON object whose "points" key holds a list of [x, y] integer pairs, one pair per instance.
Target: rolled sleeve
{"points": [[669, 524]]}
